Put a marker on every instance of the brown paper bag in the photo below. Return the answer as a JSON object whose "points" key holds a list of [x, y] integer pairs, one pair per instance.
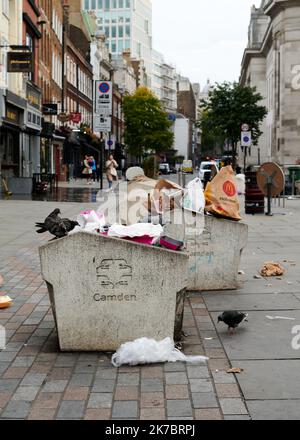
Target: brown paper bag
{"points": [[221, 195]]}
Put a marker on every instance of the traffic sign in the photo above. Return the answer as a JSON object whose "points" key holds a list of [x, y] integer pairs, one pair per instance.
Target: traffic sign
{"points": [[246, 139], [103, 98], [102, 123], [245, 127], [111, 143]]}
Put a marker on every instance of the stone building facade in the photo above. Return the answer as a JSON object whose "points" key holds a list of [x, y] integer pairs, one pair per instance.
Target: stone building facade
{"points": [[271, 62]]}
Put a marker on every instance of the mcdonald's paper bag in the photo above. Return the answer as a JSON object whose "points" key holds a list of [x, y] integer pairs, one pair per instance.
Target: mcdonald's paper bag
{"points": [[221, 195]]}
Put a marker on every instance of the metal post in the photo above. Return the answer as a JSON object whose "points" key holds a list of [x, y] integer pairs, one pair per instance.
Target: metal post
{"points": [[101, 162], [269, 194], [293, 184], [245, 158]]}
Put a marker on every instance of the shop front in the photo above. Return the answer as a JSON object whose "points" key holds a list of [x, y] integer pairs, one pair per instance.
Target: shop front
{"points": [[31, 138], [11, 135]]}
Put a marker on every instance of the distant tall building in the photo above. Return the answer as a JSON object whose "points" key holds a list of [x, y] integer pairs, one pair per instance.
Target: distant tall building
{"points": [[163, 82], [127, 25]]}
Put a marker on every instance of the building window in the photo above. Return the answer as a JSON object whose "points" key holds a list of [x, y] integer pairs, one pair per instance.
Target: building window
{"points": [[113, 47], [114, 4], [121, 32], [3, 64], [107, 31], [121, 4], [127, 31], [107, 4], [93, 5], [128, 4], [120, 46], [86, 5], [113, 32], [100, 4], [30, 44]]}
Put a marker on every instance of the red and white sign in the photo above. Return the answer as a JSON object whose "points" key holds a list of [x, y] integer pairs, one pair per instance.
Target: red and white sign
{"points": [[245, 127], [75, 117]]}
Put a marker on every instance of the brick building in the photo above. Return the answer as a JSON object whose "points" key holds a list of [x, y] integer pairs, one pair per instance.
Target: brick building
{"points": [[50, 81], [31, 30]]}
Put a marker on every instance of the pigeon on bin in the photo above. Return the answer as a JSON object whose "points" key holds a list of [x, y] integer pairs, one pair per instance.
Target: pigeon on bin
{"points": [[56, 226], [233, 319]]}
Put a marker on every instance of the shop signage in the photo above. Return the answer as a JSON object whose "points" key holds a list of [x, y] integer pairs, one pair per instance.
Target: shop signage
{"points": [[12, 114], [50, 108], [33, 97], [21, 62], [63, 117], [75, 117]]}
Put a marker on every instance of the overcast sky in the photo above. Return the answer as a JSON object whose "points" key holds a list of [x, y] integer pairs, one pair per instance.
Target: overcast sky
{"points": [[203, 38]]}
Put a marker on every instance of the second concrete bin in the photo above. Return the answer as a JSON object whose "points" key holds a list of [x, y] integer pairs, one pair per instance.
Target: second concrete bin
{"points": [[214, 246], [106, 291]]}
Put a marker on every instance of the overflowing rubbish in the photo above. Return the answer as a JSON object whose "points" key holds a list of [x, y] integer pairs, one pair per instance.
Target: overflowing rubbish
{"points": [[171, 243], [5, 301], [276, 318], [194, 199], [272, 270], [241, 183], [222, 196], [90, 221], [148, 351], [145, 233]]}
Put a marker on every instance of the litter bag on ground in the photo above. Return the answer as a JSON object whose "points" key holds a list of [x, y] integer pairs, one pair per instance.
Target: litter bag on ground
{"points": [[221, 195], [148, 351]]}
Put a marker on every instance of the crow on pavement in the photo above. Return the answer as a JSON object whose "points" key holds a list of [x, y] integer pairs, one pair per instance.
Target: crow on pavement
{"points": [[232, 318]]}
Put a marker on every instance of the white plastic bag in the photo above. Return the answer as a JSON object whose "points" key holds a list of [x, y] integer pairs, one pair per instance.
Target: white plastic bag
{"points": [[194, 199], [241, 183], [137, 230], [149, 351], [91, 220]]}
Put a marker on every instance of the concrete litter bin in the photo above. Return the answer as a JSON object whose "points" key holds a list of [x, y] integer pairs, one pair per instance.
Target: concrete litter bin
{"points": [[214, 246], [106, 291]]}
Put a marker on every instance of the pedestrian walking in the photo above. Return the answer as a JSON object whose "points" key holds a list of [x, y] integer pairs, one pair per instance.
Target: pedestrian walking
{"points": [[111, 170], [87, 171], [93, 165]]}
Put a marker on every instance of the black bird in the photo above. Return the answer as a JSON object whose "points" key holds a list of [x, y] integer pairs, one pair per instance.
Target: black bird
{"points": [[69, 224], [233, 318], [56, 226], [49, 222]]}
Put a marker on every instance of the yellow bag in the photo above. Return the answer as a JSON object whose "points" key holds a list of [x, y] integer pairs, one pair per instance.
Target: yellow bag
{"points": [[221, 195]]}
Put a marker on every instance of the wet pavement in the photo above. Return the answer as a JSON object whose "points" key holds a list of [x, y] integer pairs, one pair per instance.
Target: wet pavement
{"points": [[72, 195]]}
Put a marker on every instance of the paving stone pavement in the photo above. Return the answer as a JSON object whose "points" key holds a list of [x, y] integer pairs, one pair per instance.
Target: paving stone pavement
{"points": [[37, 381]]}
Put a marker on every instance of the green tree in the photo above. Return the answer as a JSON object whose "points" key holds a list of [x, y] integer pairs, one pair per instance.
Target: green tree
{"points": [[147, 127], [229, 105]]}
